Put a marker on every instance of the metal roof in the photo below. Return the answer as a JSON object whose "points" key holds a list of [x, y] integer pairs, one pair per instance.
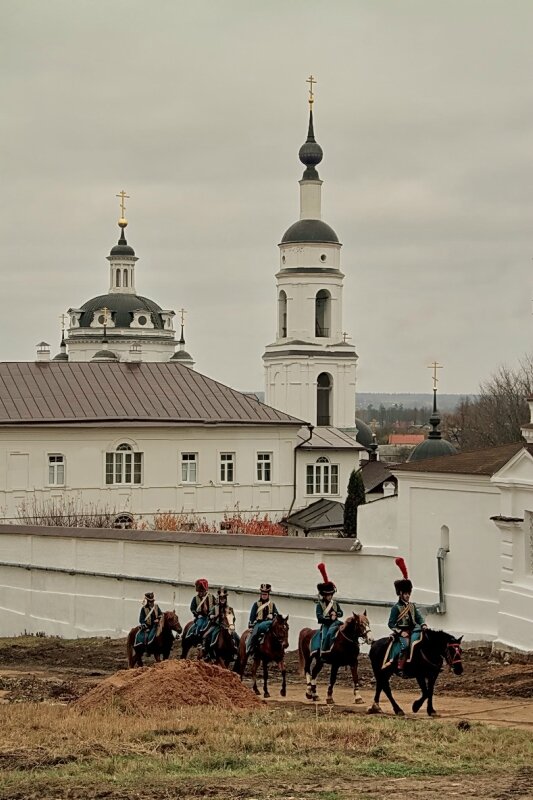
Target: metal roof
{"points": [[327, 438], [477, 462], [320, 515], [85, 392]]}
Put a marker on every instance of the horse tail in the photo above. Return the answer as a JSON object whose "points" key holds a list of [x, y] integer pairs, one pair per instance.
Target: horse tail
{"points": [[303, 640], [130, 641]]}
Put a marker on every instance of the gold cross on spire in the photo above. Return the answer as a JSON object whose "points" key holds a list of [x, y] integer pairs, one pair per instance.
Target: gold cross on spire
{"points": [[310, 80], [345, 336], [182, 314], [123, 196], [435, 366], [63, 317]]}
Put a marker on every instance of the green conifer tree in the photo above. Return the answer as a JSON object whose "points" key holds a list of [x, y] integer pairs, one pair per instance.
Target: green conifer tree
{"points": [[356, 497]]}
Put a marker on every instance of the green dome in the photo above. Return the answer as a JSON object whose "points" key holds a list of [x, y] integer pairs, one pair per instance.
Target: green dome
{"points": [[310, 230], [121, 306], [364, 433], [432, 448]]}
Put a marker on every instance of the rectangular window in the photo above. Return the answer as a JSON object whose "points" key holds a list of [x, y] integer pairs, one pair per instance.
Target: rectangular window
{"points": [[189, 467], [56, 470], [322, 478], [123, 467], [264, 467], [227, 467]]}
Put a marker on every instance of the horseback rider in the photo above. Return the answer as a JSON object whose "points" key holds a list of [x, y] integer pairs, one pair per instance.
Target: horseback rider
{"points": [[221, 612], [405, 621], [149, 617], [328, 611], [202, 605], [262, 614]]}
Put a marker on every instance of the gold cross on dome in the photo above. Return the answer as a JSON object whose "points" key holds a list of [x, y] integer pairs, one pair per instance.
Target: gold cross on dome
{"points": [[123, 196], [105, 312], [310, 80], [435, 366], [63, 317], [182, 314], [345, 336]]}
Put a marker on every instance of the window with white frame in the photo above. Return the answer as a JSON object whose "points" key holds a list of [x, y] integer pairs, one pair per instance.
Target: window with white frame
{"points": [[227, 467], [322, 477], [264, 467], [189, 467], [123, 466], [56, 470]]}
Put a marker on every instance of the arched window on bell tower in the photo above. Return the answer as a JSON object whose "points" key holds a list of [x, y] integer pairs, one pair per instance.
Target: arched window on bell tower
{"points": [[323, 399], [118, 278], [282, 319], [322, 313]]}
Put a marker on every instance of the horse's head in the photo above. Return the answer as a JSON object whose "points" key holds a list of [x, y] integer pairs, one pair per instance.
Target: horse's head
{"points": [[280, 629], [453, 655], [357, 626], [172, 623], [228, 619]]}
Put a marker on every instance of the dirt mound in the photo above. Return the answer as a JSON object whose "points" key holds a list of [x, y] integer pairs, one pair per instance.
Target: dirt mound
{"points": [[170, 684]]}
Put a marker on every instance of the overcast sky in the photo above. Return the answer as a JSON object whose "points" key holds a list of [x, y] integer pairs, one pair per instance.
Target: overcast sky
{"points": [[424, 110]]}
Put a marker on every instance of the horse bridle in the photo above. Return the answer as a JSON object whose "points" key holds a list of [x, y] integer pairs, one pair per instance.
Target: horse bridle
{"points": [[277, 637], [363, 635], [453, 654]]}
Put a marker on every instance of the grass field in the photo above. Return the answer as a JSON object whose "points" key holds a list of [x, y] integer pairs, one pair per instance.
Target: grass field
{"points": [[52, 751]]}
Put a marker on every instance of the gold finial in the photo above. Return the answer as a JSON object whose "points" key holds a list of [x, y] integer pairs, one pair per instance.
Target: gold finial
{"points": [[435, 366], [345, 336], [310, 80], [182, 314], [123, 196], [63, 317], [105, 312]]}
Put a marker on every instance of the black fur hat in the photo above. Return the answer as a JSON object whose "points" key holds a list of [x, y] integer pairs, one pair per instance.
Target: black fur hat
{"points": [[402, 584], [265, 587]]}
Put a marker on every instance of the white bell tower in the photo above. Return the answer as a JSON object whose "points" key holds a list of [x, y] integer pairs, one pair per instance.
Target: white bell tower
{"points": [[310, 367]]}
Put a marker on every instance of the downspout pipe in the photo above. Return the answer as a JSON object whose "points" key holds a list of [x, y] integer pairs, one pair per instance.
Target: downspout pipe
{"points": [[442, 552], [297, 447]]}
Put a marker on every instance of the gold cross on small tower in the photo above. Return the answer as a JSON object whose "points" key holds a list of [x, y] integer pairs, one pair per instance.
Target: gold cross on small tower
{"points": [[63, 317], [105, 312], [310, 80], [435, 366], [345, 336], [123, 196], [182, 314]]}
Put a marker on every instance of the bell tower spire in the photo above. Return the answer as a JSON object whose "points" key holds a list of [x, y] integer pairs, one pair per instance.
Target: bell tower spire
{"points": [[310, 367]]}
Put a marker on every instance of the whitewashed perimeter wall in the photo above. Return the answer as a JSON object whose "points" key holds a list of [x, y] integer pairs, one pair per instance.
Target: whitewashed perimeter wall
{"points": [[77, 605]]}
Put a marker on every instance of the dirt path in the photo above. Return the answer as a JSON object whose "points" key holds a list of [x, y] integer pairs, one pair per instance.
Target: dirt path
{"points": [[509, 712]]}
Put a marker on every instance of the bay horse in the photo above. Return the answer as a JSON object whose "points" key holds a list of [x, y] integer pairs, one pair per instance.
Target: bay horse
{"points": [[435, 648], [188, 642], [272, 648], [161, 645], [344, 653], [222, 650]]}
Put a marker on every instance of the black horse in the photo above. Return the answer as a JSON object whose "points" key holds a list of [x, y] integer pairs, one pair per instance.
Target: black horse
{"points": [[428, 658]]}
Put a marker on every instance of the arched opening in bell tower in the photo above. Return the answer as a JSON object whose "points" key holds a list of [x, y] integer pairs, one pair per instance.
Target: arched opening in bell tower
{"points": [[282, 315], [324, 388], [322, 313]]}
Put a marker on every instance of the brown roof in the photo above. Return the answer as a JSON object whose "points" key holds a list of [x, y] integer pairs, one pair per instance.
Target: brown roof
{"points": [[148, 393], [327, 438], [375, 473], [478, 462], [406, 438]]}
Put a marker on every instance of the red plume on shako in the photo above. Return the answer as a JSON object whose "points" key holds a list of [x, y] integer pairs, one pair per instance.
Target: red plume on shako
{"points": [[327, 586], [402, 584]]}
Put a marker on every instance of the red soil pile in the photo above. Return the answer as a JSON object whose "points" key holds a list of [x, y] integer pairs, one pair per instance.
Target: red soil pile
{"points": [[170, 684]]}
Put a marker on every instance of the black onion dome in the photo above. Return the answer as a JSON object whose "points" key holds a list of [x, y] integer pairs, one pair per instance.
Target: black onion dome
{"points": [[122, 248], [432, 448], [181, 355], [364, 433], [310, 153], [310, 230], [121, 307], [104, 355]]}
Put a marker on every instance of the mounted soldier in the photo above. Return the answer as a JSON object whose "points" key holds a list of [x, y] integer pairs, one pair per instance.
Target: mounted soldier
{"points": [[202, 605], [222, 615], [262, 613], [328, 611], [149, 617], [405, 621]]}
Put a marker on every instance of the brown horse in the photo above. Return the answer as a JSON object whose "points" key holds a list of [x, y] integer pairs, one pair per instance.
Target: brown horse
{"points": [[161, 645], [272, 648], [344, 653], [224, 649]]}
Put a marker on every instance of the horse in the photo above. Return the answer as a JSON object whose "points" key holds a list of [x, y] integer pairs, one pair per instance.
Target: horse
{"points": [[222, 649], [344, 653], [188, 642], [428, 658], [272, 648], [161, 645]]}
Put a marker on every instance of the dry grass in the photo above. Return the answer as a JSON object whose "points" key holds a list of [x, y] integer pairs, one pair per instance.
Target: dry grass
{"points": [[45, 748]]}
